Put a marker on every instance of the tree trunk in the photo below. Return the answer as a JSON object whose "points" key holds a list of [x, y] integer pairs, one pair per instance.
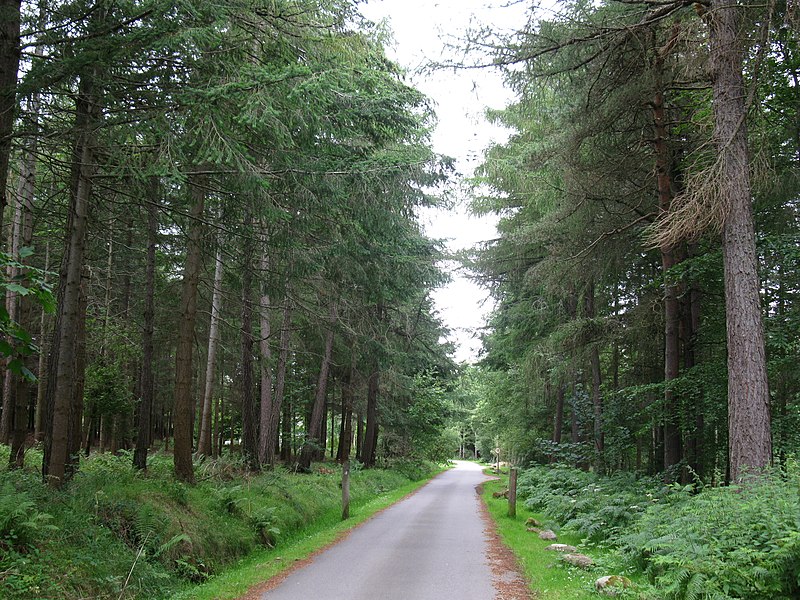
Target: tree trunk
{"points": [[267, 408], [146, 385], [346, 431], [368, 449], [12, 302], [597, 399], [9, 65], [749, 441], [75, 436], [249, 416], [21, 393], [183, 406], [64, 349], [40, 372], [204, 445], [287, 432], [359, 436], [559, 419], [313, 442], [672, 434], [280, 385]]}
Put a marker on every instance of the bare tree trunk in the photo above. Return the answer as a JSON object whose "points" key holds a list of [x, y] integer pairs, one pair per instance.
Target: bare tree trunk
{"points": [[21, 393], [11, 302], [346, 431], [369, 447], [249, 416], [145, 405], [672, 434], [750, 444], [215, 435], [313, 438], [75, 435], [597, 399], [280, 385], [40, 372], [9, 65], [559, 419], [266, 442], [204, 445], [65, 347], [183, 406], [287, 432], [359, 436]]}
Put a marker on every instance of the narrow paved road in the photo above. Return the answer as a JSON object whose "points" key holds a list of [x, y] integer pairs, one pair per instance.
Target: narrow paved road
{"points": [[431, 546]]}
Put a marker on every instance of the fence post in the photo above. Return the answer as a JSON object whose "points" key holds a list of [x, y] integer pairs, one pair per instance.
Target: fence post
{"points": [[345, 490], [512, 493]]}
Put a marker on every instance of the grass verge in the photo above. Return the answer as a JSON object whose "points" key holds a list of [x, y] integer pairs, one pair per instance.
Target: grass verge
{"points": [[548, 577], [265, 564], [115, 533]]}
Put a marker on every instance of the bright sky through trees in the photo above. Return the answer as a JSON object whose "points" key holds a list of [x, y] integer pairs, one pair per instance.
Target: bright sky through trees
{"points": [[422, 32]]}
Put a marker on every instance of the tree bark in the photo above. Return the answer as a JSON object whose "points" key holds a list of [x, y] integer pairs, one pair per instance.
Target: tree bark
{"points": [[75, 435], [22, 387], [40, 372], [11, 302], [146, 385], [749, 439], [280, 386], [267, 408], [672, 434], [183, 406], [204, 445], [313, 442], [346, 431], [597, 399], [249, 416], [9, 66], [559, 418], [65, 347], [369, 447]]}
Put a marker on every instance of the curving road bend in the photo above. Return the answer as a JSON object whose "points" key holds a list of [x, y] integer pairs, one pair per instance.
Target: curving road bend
{"points": [[430, 546]]}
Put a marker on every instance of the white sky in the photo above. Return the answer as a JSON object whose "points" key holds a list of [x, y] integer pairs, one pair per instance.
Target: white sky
{"points": [[421, 29]]}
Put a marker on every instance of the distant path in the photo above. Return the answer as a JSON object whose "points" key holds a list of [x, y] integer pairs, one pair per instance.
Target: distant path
{"points": [[431, 546]]}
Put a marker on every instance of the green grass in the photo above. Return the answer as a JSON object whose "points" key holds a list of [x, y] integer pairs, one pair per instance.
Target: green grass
{"points": [[548, 577], [117, 533], [264, 564]]}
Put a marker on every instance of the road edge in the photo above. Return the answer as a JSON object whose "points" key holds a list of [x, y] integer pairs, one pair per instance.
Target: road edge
{"points": [[508, 576], [258, 590]]}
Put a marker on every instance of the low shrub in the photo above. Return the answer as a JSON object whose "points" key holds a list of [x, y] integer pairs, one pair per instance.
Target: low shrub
{"points": [[719, 544], [722, 543]]}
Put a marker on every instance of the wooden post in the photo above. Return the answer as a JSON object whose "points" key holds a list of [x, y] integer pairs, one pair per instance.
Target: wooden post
{"points": [[345, 490], [512, 493]]}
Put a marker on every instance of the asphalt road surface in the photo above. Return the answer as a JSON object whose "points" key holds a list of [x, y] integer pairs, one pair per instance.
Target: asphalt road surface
{"points": [[430, 546]]}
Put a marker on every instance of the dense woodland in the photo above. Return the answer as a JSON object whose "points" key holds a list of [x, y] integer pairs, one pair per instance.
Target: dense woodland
{"points": [[645, 271], [212, 262], [212, 239]]}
